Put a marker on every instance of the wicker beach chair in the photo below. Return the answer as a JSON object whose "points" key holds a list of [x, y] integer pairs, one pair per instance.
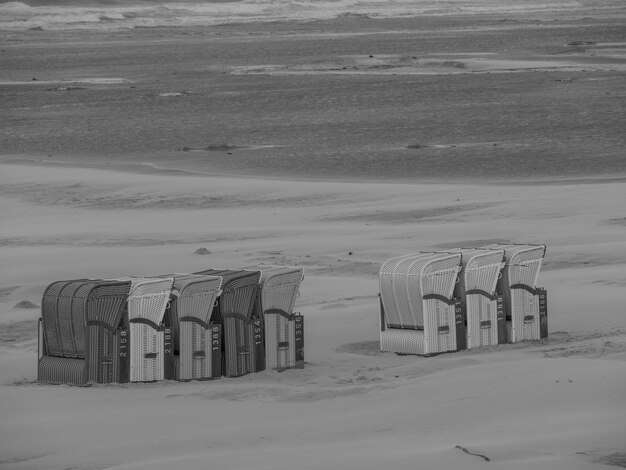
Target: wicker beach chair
{"points": [[234, 312], [82, 337], [518, 286], [147, 301], [477, 287], [417, 305], [107, 331], [283, 330], [61, 356], [196, 343]]}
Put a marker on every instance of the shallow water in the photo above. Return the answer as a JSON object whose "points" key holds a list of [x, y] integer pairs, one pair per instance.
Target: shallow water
{"points": [[281, 99]]}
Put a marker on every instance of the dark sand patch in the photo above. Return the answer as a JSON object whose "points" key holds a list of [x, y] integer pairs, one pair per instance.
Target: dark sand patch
{"points": [[554, 262], [366, 348], [130, 242], [617, 221], [409, 216], [8, 290], [23, 333], [617, 459], [25, 304], [470, 243], [112, 197], [596, 345], [574, 59]]}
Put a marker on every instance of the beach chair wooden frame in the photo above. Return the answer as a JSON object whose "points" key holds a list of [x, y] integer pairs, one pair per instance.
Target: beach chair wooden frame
{"points": [[233, 311], [283, 330], [81, 331], [417, 308], [523, 301], [196, 343], [481, 269]]}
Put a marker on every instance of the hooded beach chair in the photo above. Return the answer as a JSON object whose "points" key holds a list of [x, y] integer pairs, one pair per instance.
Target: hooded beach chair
{"points": [[518, 286], [477, 287], [234, 312], [61, 342], [83, 337], [283, 329], [196, 343], [416, 303], [147, 300]]}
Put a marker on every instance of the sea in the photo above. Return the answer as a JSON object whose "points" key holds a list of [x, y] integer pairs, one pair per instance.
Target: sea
{"points": [[118, 14], [268, 87]]}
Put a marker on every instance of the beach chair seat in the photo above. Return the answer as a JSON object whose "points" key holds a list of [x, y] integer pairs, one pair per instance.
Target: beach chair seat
{"points": [[195, 341], [417, 305], [283, 330], [233, 311], [478, 278], [80, 333], [147, 300], [62, 370], [518, 286]]}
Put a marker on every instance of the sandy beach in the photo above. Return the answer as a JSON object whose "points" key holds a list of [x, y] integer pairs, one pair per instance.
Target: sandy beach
{"points": [[334, 145]]}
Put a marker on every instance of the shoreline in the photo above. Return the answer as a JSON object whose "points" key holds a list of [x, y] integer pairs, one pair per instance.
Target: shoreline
{"points": [[150, 168]]}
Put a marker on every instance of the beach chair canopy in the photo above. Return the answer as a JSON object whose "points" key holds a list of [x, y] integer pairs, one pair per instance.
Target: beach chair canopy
{"points": [[193, 297], [238, 291], [407, 281], [278, 288], [522, 264], [480, 271], [63, 320], [148, 299]]}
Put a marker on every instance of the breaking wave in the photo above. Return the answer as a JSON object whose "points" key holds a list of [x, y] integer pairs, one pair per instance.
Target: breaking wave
{"points": [[114, 14]]}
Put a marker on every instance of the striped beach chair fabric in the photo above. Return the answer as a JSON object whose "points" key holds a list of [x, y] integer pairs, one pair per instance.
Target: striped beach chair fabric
{"points": [[283, 329], [147, 302], [477, 285], [416, 303], [81, 331], [234, 312], [196, 349], [523, 301]]}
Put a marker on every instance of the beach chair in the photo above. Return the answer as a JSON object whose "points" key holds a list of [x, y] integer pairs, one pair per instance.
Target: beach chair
{"points": [[147, 300], [417, 309], [61, 356], [82, 336], [283, 330], [234, 312], [479, 275], [518, 286], [195, 342]]}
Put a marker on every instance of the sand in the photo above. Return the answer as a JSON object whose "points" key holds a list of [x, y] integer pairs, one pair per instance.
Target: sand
{"points": [[557, 403], [70, 211]]}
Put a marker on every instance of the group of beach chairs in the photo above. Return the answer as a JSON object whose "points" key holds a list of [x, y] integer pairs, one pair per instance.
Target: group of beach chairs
{"points": [[435, 302], [232, 322], [218, 322]]}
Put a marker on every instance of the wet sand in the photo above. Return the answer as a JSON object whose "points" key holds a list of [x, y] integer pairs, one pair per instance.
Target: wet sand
{"points": [[450, 98]]}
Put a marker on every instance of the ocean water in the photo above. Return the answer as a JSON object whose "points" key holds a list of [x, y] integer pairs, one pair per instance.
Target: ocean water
{"points": [[193, 98], [106, 15]]}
